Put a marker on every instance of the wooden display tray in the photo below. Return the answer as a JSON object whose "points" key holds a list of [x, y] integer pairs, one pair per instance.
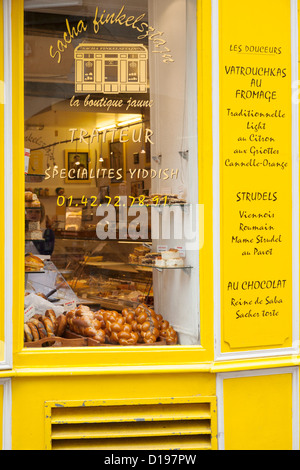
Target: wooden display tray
{"points": [[92, 342], [57, 342], [72, 340]]}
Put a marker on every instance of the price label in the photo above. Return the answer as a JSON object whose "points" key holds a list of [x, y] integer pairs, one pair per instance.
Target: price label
{"points": [[29, 313], [161, 248], [181, 250], [68, 306]]}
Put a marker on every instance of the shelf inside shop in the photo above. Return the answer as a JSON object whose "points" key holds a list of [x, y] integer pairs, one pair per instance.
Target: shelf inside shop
{"points": [[159, 268], [108, 265], [85, 236], [35, 272], [107, 304]]}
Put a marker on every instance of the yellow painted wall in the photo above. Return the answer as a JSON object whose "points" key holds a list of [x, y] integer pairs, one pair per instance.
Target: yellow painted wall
{"points": [[28, 418], [258, 412], [255, 318]]}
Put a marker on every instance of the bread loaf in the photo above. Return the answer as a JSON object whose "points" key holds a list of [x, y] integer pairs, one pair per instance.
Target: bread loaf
{"points": [[51, 314], [148, 325], [168, 333], [131, 327], [28, 334], [49, 326], [34, 331], [86, 323], [40, 326], [61, 325]]}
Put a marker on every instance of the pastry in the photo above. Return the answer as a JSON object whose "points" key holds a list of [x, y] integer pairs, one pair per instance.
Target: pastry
{"points": [[131, 327], [133, 259], [33, 263], [28, 334], [160, 263], [147, 323], [78, 284], [173, 263], [61, 325], [141, 250], [28, 196], [171, 254], [51, 314], [100, 336], [85, 322], [33, 203], [121, 332], [149, 259], [172, 258], [40, 294], [40, 326], [49, 326], [168, 333], [34, 331]]}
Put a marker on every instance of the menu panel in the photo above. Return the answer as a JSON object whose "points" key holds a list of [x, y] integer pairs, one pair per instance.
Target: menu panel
{"points": [[255, 68]]}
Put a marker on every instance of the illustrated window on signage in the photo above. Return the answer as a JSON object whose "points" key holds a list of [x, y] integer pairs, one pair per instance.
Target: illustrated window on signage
{"points": [[112, 222]]}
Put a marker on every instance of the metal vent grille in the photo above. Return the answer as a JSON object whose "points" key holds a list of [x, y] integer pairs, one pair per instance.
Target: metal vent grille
{"points": [[129, 425]]}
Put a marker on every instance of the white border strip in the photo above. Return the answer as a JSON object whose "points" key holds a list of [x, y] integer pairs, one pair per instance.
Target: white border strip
{"points": [[295, 173], [8, 185], [234, 375], [216, 174], [7, 413], [216, 195]]}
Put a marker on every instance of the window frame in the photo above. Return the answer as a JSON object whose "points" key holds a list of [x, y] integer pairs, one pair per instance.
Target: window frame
{"points": [[117, 359]]}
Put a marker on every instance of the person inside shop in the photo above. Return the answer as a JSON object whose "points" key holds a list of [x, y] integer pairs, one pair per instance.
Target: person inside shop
{"points": [[45, 245]]}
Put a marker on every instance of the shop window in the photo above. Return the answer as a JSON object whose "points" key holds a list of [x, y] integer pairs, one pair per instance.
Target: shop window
{"points": [[111, 188]]}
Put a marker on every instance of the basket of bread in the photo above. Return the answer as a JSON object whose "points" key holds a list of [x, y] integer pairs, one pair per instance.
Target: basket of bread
{"points": [[131, 327], [84, 327], [45, 330]]}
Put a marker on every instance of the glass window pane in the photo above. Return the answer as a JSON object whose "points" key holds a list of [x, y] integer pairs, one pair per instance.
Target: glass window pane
{"points": [[112, 221]]}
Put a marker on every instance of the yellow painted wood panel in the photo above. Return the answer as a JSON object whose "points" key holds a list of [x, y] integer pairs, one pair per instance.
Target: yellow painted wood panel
{"points": [[29, 429], [258, 412], [255, 174]]}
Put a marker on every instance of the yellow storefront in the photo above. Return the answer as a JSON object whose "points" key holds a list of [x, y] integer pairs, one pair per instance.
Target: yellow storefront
{"points": [[220, 118]]}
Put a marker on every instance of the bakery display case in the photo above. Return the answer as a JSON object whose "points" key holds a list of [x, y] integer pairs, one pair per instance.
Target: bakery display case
{"points": [[105, 301], [49, 282], [100, 274], [112, 283], [81, 274]]}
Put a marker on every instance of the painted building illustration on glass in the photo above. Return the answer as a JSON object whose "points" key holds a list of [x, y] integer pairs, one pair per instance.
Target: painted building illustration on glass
{"points": [[111, 68]]}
